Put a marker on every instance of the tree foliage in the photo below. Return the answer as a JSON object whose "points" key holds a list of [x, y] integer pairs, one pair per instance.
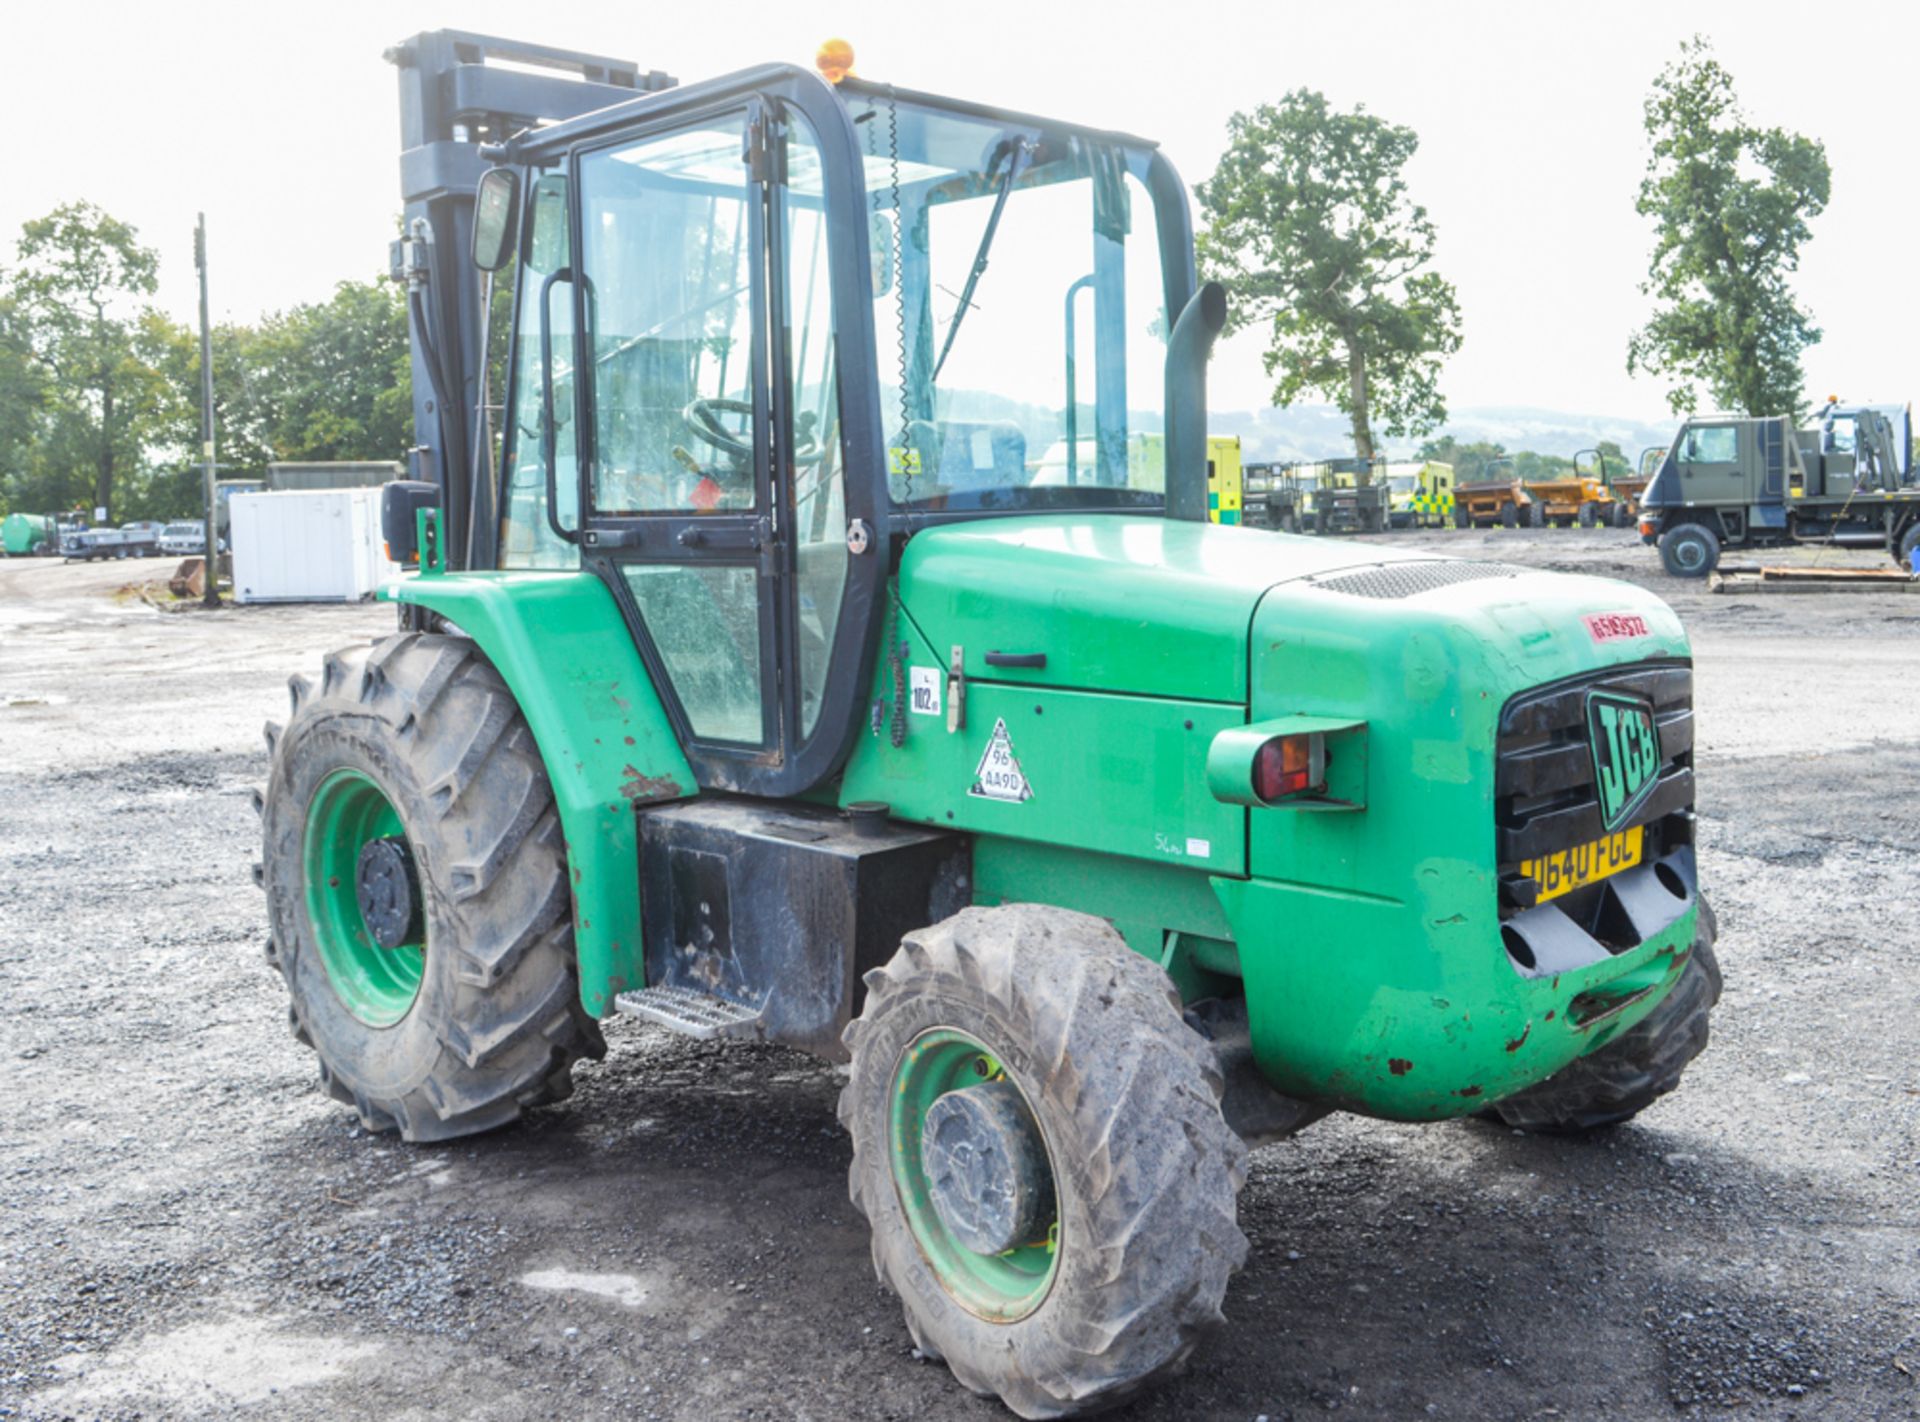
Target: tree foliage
{"points": [[72, 315], [1310, 226], [1730, 203], [100, 392], [325, 381]]}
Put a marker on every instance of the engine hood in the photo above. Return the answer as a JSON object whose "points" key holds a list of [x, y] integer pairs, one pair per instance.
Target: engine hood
{"points": [[1150, 606], [1115, 602]]}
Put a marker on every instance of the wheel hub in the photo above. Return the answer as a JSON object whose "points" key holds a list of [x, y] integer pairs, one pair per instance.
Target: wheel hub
{"points": [[363, 898], [974, 1175], [388, 889], [987, 1168]]}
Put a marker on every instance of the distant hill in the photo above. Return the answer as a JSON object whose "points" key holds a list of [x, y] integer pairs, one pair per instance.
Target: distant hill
{"points": [[1322, 432]]}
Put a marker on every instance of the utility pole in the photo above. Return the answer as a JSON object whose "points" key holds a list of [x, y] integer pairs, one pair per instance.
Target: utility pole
{"points": [[211, 597]]}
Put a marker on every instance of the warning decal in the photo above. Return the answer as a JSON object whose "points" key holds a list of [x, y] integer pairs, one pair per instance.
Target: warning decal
{"points": [[999, 776]]}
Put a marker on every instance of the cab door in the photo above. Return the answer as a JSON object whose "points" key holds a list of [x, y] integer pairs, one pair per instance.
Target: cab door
{"points": [[714, 488], [1710, 467]]}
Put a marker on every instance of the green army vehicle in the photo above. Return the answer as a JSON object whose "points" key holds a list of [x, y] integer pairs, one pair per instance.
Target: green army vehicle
{"points": [[1351, 495], [1728, 481], [763, 689]]}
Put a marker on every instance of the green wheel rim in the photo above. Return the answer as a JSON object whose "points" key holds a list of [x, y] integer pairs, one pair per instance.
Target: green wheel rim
{"points": [[1000, 1288], [376, 984]]}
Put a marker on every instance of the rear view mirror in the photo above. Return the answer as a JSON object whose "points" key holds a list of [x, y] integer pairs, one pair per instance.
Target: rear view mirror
{"points": [[495, 206]]}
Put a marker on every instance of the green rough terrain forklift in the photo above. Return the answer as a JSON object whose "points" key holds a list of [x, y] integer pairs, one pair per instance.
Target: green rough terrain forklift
{"points": [[762, 679]]}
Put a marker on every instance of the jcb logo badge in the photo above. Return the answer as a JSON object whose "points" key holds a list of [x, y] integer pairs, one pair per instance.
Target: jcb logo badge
{"points": [[1626, 753]]}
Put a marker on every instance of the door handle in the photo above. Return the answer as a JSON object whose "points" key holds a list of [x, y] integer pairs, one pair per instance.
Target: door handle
{"points": [[745, 540], [1031, 660], [549, 426]]}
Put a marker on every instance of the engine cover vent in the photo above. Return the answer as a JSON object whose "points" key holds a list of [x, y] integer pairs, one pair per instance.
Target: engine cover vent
{"points": [[1396, 580]]}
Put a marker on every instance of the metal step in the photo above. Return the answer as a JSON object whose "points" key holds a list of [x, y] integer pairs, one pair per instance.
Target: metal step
{"points": [[696, 1014]]}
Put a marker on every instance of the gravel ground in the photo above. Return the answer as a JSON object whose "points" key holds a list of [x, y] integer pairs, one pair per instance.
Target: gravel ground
{"points": [[190, 1228]]}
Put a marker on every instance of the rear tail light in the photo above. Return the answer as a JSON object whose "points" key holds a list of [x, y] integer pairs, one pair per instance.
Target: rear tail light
{"points": [[1287, 766]]}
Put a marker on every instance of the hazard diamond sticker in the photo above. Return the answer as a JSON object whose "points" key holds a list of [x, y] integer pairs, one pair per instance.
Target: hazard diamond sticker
{"points": [[999, 776]]}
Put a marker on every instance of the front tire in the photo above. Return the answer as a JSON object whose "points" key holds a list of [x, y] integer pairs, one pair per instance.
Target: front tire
{"points": [[1630, 1073], [1690, 550], [1114, 1278], [407, 798]]}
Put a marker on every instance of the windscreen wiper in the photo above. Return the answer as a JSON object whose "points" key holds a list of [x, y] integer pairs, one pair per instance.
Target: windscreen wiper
{"points": [[1020, 148]]}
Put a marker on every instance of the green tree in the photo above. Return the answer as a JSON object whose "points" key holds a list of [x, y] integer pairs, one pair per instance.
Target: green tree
{"points": [[323, 381], [1310, 227], [74, 305], [23, 398], [1730, 204], [1468, 460], [1531, 466]]}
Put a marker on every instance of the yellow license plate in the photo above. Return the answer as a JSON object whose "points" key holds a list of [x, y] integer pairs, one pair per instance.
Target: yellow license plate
{"points": [[1584, 864]]}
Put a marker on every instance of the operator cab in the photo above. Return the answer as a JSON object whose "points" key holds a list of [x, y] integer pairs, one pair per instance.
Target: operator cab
{"points": [[764, 327]]}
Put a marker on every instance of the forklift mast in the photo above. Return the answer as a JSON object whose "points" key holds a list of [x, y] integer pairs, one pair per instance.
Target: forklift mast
{"points": [[458, 99]]}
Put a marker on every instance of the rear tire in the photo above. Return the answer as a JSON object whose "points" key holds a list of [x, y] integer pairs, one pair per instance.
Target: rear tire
{"points": [[1910, 540], [1124, 1101], [1589, 515], [419, 738], [1509, 515], [1630, 1073], [1690, 550], [1536, 515], [1462, 519]]}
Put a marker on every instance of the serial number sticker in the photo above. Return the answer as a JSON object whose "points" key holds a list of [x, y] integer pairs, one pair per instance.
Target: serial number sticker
{"points": [[1199, 848], [924, 691], [1584, 864], [1612, 626]]}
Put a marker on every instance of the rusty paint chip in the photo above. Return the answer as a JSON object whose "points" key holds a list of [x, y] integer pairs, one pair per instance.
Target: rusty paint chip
{"points": [[1399, 1066], [641, 789], [1518, 1042], [1468, 1091]]}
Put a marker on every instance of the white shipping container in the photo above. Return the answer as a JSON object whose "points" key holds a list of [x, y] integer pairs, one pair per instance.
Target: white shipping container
{"points": [[308, 545]]}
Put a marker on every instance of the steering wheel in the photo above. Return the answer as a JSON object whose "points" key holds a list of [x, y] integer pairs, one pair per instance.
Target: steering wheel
{"points": [[702, 419]]}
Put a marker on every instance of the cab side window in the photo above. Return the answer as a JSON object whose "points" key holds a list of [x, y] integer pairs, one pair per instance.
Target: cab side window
{"points": [[527, 539], [1713, 444]]}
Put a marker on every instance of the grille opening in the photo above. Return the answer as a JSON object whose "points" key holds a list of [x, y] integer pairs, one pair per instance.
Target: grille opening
{"points": [[1608, 923], [1545, 798], [1670, 881], [1413, 577], [1518, 948]]}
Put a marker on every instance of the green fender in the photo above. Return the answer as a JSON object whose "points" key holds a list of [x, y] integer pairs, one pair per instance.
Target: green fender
{"points": [[559, 641]]}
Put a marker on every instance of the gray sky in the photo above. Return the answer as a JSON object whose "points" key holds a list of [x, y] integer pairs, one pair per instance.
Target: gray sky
{"points": [[279, 121]]}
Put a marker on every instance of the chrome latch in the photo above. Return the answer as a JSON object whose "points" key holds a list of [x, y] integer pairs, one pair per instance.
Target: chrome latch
{"points": [[956, 692]]}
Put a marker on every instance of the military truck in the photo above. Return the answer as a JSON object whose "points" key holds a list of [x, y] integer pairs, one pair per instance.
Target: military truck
{"points": [[1732, 481], [1274, 499], [759, 690], [1351, 496]]}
